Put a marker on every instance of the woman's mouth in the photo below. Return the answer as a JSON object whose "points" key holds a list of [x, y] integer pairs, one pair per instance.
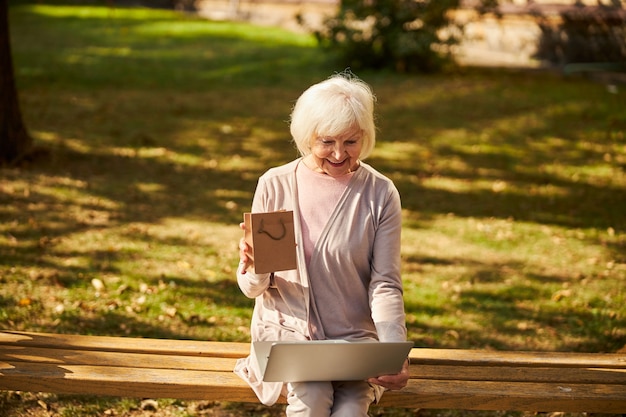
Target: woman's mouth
{"points": [[337, 164]]}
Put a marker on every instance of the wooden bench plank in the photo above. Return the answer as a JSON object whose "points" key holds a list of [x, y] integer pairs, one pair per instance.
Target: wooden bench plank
{"points": [[520, 374], [522, 358], [125, 382], [482, 395], [126, 344], [238, 349], [221, 386], [419, 371], [119, 359]]}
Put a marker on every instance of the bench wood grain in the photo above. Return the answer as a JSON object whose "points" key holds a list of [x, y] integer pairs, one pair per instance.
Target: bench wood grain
{"points": [[196, 370]]}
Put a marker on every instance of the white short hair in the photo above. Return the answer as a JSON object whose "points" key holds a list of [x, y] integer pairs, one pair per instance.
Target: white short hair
{"points": [[332, 107]]}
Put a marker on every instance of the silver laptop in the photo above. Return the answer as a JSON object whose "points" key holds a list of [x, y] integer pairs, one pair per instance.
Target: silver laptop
{"points": [[329, 360]]}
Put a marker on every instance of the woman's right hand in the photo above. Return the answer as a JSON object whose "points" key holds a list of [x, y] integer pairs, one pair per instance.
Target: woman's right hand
{"points": [[245, 260]]}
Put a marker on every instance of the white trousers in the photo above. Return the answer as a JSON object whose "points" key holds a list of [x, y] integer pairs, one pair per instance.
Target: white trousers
{"points": [[326, 399]]}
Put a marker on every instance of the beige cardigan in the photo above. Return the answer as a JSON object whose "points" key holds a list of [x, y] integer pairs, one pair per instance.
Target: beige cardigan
{"points": [[352, 288]]}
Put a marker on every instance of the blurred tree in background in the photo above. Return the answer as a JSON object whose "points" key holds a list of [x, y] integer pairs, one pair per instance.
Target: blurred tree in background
{"points": [[584, 35], [404, 35]]}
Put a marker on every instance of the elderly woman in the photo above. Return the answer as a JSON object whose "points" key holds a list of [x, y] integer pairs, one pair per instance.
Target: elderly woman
{"points": [[347, 220]]}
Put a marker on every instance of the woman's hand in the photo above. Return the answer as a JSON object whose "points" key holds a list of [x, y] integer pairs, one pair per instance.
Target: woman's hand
{"points": [[393, 382], [245, 260]]}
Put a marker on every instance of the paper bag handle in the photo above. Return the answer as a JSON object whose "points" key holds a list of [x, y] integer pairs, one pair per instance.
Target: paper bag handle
{"points": [[282, 235]]}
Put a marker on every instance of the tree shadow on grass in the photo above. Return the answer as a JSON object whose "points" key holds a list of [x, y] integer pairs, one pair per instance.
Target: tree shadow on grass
{"points": [[123, 315], [115, 199], [527, 312], [574, 329], [544, 171]]}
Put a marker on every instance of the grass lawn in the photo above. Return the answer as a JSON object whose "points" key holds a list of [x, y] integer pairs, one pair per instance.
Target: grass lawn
{"points": [[158, 125]]}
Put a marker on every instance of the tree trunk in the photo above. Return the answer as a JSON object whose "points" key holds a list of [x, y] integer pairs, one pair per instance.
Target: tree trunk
{"points": [[15, 142]]}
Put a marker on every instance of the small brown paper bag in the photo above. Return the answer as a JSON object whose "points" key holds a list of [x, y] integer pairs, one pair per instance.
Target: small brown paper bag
{"points": [[272, 239]]}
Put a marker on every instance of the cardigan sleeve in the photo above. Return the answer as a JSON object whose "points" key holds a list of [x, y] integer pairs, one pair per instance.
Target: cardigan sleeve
{"points": [[252, 285], [386, 293]]}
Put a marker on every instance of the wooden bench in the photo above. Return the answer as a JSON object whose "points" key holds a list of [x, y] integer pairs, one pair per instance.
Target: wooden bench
{"points": [[193, 370]]}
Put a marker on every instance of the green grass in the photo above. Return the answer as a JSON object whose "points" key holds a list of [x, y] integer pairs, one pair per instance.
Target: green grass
{"points": [[159, 124]]}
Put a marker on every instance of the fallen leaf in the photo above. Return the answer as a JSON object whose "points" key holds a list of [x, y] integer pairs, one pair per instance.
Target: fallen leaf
{"points": [[559, 295], [149, 405], [97, 284]]}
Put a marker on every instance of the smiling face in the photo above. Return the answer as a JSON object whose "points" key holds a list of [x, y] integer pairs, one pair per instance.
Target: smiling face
{"points": [[336, 155], [332, 124]]}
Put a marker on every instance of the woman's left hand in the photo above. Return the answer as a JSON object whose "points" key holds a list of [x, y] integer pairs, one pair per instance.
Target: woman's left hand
{"points": [[393, 382]]}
